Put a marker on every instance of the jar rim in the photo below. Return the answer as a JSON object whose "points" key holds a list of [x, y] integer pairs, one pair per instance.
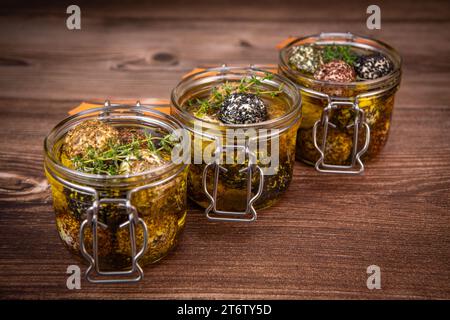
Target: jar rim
{"points": [[218, 71], [343, 39], [166, 121]]}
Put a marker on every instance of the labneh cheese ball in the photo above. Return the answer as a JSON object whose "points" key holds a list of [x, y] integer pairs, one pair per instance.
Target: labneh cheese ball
{"points": [[306, 58], [242, 108], [373, 66], [335, 71], [142, 162], [91, 133], [128, 135]]}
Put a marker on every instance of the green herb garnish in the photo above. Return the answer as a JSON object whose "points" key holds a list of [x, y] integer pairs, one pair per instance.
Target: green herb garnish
{"points": [[334, 52], [219, 93], [109, 161]]}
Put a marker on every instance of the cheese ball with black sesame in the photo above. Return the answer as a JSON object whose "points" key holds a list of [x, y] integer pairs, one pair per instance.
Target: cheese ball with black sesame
{"points": [[242, 108], [373, 66]]}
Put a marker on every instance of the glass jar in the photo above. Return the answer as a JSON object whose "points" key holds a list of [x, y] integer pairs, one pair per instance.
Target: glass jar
{"points": [[117, 222], [343, 123], [231, 190]]}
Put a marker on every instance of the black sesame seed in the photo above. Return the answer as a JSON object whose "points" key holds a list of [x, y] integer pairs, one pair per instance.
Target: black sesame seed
{"points": [[242, 108], [373, 66]]}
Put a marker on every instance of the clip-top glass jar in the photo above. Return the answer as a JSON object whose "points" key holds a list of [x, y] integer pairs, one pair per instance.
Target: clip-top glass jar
{"points": [[231, 190], [343, 122], [117, 222]]}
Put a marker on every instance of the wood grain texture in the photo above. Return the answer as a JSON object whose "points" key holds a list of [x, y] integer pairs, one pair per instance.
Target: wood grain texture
{"points": [[319, 239]]}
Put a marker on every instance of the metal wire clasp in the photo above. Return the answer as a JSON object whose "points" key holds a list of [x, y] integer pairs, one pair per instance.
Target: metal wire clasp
{"points": [[356, 166], [132, 275], [249, 214]]}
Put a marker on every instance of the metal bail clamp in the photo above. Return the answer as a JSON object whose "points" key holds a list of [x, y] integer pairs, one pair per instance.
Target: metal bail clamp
{"points": [[132, 275], [356, 166], [108, 106], [249, 214]]}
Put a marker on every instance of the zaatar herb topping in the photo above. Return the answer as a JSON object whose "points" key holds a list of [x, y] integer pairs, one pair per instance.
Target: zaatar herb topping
{"points": [[306, 58], [91, 133]]}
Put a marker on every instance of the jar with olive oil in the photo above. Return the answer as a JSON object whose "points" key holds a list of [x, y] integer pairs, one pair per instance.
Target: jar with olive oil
{"points": [[119, 200], [243, 123], [348, 84]]}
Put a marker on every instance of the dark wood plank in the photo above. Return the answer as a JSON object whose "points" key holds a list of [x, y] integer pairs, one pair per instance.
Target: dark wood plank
{"points": [[319, 239]]}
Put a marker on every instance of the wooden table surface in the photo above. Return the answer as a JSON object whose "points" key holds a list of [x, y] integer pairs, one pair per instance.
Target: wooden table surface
{"points": [[327, 229]]}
